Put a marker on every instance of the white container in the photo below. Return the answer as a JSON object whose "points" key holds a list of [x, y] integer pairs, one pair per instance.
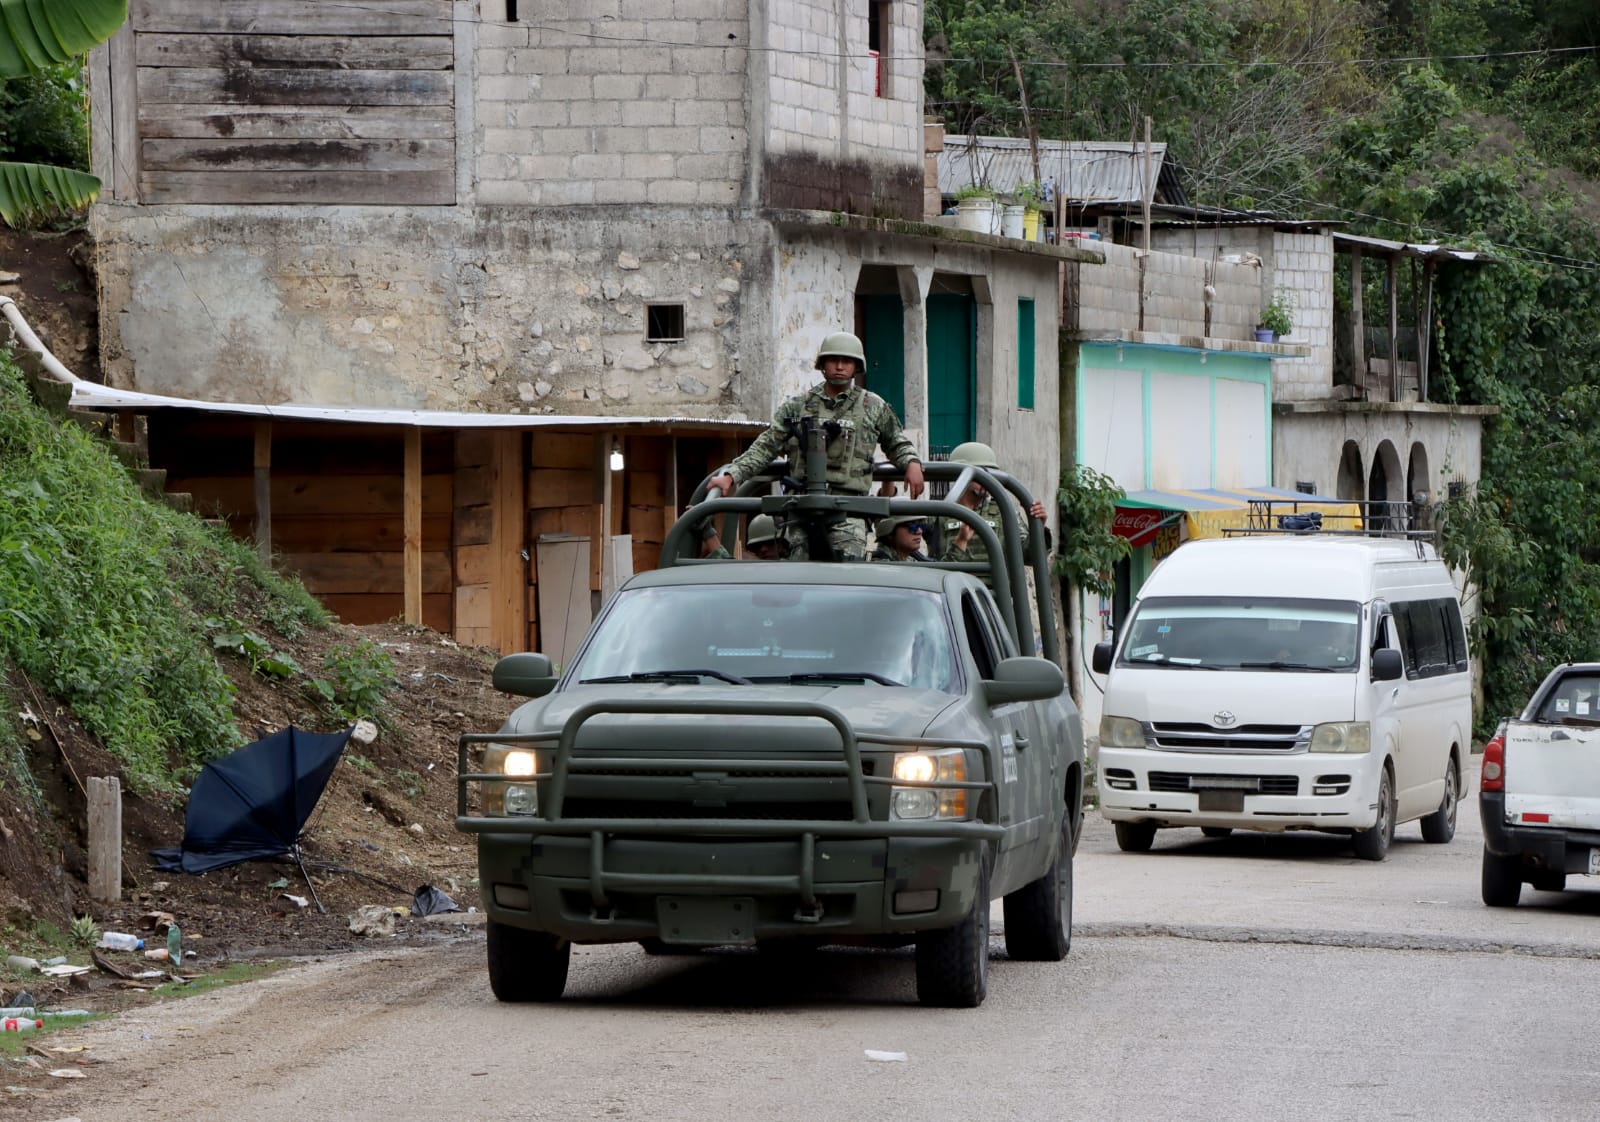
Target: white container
{"points": [[975, 214], [117, 941], [1011, 222]]}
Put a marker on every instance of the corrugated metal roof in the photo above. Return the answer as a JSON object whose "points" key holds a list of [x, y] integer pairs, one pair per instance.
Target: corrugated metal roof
{"points": [[1426, 250], [1084, 171], [92, 395]]}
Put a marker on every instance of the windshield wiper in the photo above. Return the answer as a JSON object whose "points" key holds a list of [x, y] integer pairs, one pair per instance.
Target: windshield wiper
{"points": [[841, 676], [1279, 664], [1168, 664], [667, 676]]}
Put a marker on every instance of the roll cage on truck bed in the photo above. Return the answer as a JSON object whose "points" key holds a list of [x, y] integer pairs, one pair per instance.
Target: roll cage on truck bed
{"points": [[591, 829]]}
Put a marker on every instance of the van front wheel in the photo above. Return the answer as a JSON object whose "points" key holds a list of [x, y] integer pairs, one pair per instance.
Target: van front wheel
{"points": [[1135, 837], [1372, 844]]}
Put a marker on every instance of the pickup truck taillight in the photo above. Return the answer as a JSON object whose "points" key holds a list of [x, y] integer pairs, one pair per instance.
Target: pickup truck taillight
{"points": [[1494, 764]]}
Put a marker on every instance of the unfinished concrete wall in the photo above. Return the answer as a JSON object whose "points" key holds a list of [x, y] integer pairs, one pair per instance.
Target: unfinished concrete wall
{"points": [[514, 310], [604, 101], [1167, 293], [1301, 270], [843, 130], [1307, 443]]}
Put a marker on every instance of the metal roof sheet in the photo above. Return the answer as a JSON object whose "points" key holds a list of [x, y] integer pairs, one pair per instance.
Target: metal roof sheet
{"points": [[1424, 250], [1086, 171]]}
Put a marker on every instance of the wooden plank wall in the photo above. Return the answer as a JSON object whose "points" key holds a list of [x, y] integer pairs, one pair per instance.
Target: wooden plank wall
{"points": [[337, 507], [294, 101]]}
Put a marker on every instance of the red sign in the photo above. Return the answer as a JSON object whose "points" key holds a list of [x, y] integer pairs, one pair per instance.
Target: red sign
{"points": [[1136, 523]]}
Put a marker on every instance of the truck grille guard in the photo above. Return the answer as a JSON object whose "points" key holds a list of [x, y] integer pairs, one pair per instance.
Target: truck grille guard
{"points": [[550, 821]]}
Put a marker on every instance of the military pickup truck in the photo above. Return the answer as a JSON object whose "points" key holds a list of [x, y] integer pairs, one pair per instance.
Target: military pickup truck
{"points": [[783, 755]]}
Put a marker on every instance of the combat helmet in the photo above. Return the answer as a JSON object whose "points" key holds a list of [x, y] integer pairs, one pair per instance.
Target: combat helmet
{"points": [[762, 529], [886, 526], [842, 344], [975, 454]]}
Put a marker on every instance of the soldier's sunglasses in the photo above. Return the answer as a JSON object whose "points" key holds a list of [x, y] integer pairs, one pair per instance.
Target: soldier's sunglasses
{"points": [[915, 527]]}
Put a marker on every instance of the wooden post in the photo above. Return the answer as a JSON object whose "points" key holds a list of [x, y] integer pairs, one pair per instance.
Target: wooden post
{"points": [[412, 526], [508, 542], [104, 829], [1149, 191], [263, 490], [599, 536], [1394, 327]]}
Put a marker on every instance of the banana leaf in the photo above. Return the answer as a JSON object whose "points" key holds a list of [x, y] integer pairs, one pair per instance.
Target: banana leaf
{"points": [[35, 34], [36, 190]]}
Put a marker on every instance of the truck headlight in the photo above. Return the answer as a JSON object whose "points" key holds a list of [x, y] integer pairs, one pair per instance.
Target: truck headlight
{"points": [[1121, 732], [944, 765], [1347, 737], [510, 798]]}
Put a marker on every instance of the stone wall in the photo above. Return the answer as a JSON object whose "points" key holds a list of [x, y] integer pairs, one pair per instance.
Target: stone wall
{"points": [[1165, 293], [1302, 269], [613, 101], [512, 311]]}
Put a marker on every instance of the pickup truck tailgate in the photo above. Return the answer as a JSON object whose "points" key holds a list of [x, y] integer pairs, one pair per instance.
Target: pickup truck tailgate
{"points": [[1552, 775]]}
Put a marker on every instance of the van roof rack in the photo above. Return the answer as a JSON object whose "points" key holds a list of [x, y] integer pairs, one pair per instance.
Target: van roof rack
{"points": [[1374, 518]]}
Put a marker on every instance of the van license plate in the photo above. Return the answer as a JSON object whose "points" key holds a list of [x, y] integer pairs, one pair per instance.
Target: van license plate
{"points": [[707, 920], [1232, 802], [1594, 862]]}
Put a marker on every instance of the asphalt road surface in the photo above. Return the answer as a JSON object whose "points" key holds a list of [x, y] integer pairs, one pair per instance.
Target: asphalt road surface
{"points": [[1242, 978]]}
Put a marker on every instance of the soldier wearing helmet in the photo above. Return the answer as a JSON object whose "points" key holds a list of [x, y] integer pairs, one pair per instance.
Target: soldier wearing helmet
{"points": [[961, 540], [900, 538], [859, 421], [762, 540]]}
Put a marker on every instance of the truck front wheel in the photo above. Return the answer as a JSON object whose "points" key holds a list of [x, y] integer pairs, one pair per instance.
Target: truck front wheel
{"points": [[953, 962], [526, 965], [1039, 914]]}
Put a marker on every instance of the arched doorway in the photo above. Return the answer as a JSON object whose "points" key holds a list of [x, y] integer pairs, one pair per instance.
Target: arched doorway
{"points": [[1383, 488], [1419, 487], [1351, 479]]}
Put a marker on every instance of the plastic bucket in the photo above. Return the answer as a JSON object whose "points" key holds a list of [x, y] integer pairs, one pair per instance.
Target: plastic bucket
{"points": [[1011, 222]]}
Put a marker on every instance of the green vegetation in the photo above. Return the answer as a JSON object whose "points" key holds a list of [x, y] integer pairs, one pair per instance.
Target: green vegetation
{"points": [[1278, 316], [230, 975], [1088, 552], [103, 595], [358, 676]]}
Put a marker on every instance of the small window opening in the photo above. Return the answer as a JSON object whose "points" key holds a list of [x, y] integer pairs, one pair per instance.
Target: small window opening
{"points": [[511, 11], [879, 26], [663, 323], [1306, 487]]}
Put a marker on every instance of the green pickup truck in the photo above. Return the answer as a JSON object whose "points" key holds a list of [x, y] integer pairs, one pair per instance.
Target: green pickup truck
{"points": [[783, 755]]}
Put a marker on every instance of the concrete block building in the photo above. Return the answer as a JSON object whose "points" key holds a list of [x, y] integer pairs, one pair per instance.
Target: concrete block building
{"points": [[580, 209]]}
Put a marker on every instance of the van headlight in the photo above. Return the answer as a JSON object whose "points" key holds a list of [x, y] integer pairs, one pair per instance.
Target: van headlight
{"points": [[511, 798], [1352, 738], [1121, 732], [944, 765]]}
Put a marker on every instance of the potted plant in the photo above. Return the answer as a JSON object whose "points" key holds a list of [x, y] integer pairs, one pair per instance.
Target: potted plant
{"points": [[1031, 195], [1277, 318], [975, 208]]}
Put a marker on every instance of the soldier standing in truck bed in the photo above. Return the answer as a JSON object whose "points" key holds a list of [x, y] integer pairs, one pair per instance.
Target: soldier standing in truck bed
{"points": [[857, 422], [961, 542]]}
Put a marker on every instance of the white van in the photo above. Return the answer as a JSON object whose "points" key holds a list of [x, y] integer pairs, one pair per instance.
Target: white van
{"points": [[1294, 682]]}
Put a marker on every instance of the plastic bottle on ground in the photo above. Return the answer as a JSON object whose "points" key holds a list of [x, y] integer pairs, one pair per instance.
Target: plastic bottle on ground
{"points": [[20, 1024], [117, 941], [174, 943]]}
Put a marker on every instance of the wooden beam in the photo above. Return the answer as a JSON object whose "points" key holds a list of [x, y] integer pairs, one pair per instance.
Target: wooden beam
{"points": [[508, 544], [263, 490], [293, 17], [1358, 327], [104, 828], [600, 518], [124, 116], [1394, 327], [412, 504]]}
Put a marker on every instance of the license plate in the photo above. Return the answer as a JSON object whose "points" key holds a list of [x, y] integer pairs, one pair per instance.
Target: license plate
{"points": [[1222, 801], [1594, 862], [707, 920]]}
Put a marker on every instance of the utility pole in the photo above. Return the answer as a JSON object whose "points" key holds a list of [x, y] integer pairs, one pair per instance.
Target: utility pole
{"points": [[1149, 185]]}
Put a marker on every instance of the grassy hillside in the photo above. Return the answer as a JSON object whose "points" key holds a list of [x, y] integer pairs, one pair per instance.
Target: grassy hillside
{"points": [[119, 606]]}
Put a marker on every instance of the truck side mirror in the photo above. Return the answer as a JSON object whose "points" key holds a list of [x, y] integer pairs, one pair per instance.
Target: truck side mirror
{"points": [[1386, 665], [1101, 659], [527, 674], [1024, 679]]}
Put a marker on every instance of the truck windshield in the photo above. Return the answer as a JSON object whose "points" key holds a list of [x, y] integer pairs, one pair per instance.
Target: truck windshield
{"points": [[1244, 633], [807, 634]]}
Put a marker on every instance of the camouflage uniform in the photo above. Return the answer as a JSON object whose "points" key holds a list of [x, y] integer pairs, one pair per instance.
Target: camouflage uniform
{"points": [[884, 553], [719, 554], [866, 422], [989, 511]]}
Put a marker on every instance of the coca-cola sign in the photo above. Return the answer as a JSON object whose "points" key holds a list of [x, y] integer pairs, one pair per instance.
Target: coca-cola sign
{"points": [[1137, 524]]}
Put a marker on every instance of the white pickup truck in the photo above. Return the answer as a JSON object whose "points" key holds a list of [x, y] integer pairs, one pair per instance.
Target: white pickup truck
{"points": [[1540, 790]]}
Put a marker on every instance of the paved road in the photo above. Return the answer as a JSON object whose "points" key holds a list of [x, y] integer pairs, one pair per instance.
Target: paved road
{"points": [[1244, 979]]}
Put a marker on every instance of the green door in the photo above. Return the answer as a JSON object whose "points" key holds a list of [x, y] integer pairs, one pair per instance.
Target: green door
{"points": [[952, 370], [884, 339]]}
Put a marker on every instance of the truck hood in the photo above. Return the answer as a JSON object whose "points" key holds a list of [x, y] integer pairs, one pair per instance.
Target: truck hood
{"points": [[870, 709], [1277, 697]]}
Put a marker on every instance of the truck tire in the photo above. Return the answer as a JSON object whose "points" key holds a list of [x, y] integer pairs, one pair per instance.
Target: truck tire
{"points": [[953, 962], [1217, 831], [1039, 914], [526, 965], [1135, 837], [1550, 882], [1372, 844], [1502, 880], [1440, 826]]}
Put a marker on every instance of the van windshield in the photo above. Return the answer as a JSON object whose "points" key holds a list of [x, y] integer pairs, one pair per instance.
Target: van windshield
{"points": [[1244, 633]]}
